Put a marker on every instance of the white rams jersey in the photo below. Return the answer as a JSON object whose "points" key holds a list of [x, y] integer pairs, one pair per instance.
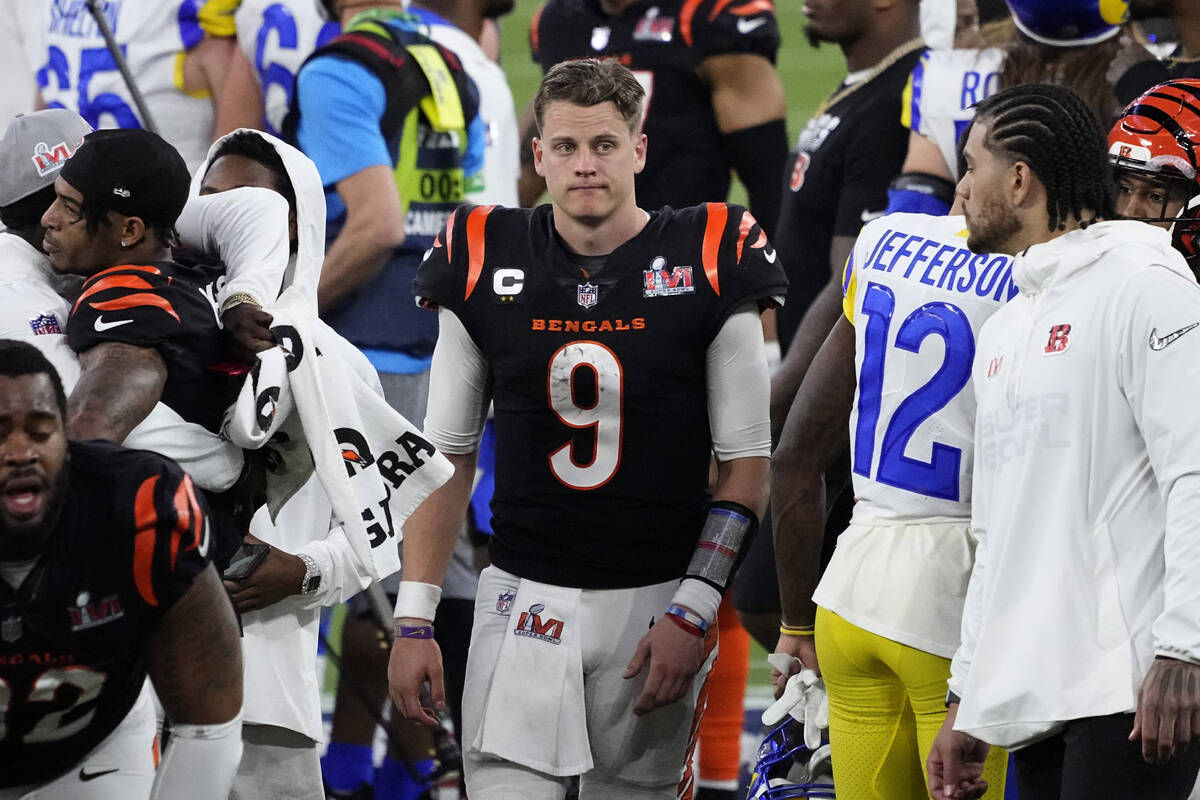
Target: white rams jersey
{"points": [[917, 298], [276, 36], [939, 101], [75, 69]]}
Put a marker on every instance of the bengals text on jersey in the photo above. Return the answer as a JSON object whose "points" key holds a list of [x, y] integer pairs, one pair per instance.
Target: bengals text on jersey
{"points": [[598, 380]]}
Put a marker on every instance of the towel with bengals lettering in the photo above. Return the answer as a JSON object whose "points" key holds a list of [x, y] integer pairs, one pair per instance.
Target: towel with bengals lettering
{"points": [[316, 402]]}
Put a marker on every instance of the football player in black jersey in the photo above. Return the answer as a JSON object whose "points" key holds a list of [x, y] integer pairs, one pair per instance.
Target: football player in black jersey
{"points": [[620, 349], [714, 102], [145, 326], [105, 578]]}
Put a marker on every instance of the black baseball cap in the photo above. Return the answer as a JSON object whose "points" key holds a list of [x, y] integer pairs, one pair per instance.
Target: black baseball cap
{"points": [[133, 172]]}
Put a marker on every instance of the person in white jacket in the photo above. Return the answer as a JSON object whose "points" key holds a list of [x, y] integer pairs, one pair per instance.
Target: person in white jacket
{"points": [[1081, 633], [311, 563]]}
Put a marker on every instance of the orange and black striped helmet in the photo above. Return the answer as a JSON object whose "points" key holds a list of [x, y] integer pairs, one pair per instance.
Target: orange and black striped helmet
{"points": [[1159, 133]]}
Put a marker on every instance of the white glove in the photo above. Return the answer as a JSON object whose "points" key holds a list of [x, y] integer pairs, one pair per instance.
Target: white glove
{"points": [[804, 699]]}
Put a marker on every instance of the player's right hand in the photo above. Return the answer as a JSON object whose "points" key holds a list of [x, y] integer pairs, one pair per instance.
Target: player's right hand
{"points": [[412, 663], [796, 647], [248, 328], [955, 763]]}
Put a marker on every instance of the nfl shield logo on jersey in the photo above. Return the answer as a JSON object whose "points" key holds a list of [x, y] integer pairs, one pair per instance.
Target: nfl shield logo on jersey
{"points": [[600, 37], [588, 294], [10, 629], [504, 602], [44, 324]]}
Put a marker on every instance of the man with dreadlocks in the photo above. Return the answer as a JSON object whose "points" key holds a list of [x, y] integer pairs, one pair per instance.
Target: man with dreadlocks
{"points": [[1081, 632]]}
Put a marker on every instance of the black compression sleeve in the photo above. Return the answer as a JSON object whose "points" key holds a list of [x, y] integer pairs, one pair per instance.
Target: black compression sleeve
{"points": [[759, 155]]}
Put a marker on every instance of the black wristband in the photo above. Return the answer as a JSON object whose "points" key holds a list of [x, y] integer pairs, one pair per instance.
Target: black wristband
{"points": [[925, 183], [952, 698]]}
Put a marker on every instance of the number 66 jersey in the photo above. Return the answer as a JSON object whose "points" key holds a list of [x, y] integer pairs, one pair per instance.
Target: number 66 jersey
{"points": [[917, 297], [597, 372]]}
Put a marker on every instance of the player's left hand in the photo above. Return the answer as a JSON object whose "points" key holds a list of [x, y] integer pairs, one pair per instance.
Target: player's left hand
{"points": [[278, 576], [803, 652], [1168, 709], [249, 329], [674, 656], [955, 763]]}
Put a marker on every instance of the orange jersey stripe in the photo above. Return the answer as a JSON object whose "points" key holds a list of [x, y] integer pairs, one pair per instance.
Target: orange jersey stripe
{"points": [[449, 237], [197, 516], [113, 282], [717, 9], [744, 231], [145, 517], [687, 785], [183, 520], [685, 19], [135, 300], [718, 214], [756, 7], [476, 222], [533, 30]]}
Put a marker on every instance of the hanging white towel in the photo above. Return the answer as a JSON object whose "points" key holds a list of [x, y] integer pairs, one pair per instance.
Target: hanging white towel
{"points": [[307, 401], [534, 714]]}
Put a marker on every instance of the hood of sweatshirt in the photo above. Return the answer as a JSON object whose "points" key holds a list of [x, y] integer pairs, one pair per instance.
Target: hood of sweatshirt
{"points": [[1063, 257], [304, 267]]}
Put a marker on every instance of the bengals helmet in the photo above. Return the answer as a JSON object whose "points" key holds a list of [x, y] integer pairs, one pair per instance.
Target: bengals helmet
{"points": [[1069, 23], [1156, 142], [785, 768]]}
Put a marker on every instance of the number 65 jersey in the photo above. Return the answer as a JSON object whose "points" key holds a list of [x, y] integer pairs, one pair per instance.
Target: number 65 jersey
{"points": [[598, 380], [917, 298]]}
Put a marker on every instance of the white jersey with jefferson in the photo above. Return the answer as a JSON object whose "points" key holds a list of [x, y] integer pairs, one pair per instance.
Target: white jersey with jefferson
{"points": [[75, 70], [916, 297], [942, 91], [276, 36]]}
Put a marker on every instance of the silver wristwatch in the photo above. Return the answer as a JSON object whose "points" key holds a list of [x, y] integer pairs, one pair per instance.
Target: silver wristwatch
{"points": [[312, 574]]}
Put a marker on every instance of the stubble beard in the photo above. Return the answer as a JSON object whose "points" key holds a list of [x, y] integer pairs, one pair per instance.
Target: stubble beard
{"points": [[992, 228]]}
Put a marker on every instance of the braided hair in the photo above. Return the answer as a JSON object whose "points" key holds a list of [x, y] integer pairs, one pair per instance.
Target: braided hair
{"points": [[1055, 132]]}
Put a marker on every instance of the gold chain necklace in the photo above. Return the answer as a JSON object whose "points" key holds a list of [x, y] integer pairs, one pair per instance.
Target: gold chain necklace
{"points": [[888, 60]]}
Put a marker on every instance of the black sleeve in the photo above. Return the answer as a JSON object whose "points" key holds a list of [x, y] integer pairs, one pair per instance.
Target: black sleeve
{"points": [[871, 160], [742, 26], [759, 155], [130, 304], [440, 283]]}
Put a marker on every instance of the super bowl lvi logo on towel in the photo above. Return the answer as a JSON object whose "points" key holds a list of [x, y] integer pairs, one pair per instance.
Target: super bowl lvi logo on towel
{"points": [[532, 625]]}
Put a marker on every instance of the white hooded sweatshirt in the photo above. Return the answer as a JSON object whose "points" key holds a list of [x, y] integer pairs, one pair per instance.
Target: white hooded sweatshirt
{"points": [[1087, 485], [247, 227]]}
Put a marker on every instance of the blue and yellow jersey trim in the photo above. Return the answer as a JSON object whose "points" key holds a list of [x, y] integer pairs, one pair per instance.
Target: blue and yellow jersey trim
{"points": [[849, 288], [910, 100], [212, 18], [216, 17]]}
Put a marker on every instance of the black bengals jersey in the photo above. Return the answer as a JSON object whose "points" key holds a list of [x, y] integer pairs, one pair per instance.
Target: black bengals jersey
{"points": [[132, 536], [170, 307], [837, 178], [663, 42], [598, 381]]}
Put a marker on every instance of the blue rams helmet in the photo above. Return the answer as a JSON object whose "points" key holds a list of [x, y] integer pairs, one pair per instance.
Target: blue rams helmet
{"points": [[785, 768], [1069, 23]]}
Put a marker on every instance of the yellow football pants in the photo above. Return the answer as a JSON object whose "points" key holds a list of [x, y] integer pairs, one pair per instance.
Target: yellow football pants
{"points": [[887, 702]]}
